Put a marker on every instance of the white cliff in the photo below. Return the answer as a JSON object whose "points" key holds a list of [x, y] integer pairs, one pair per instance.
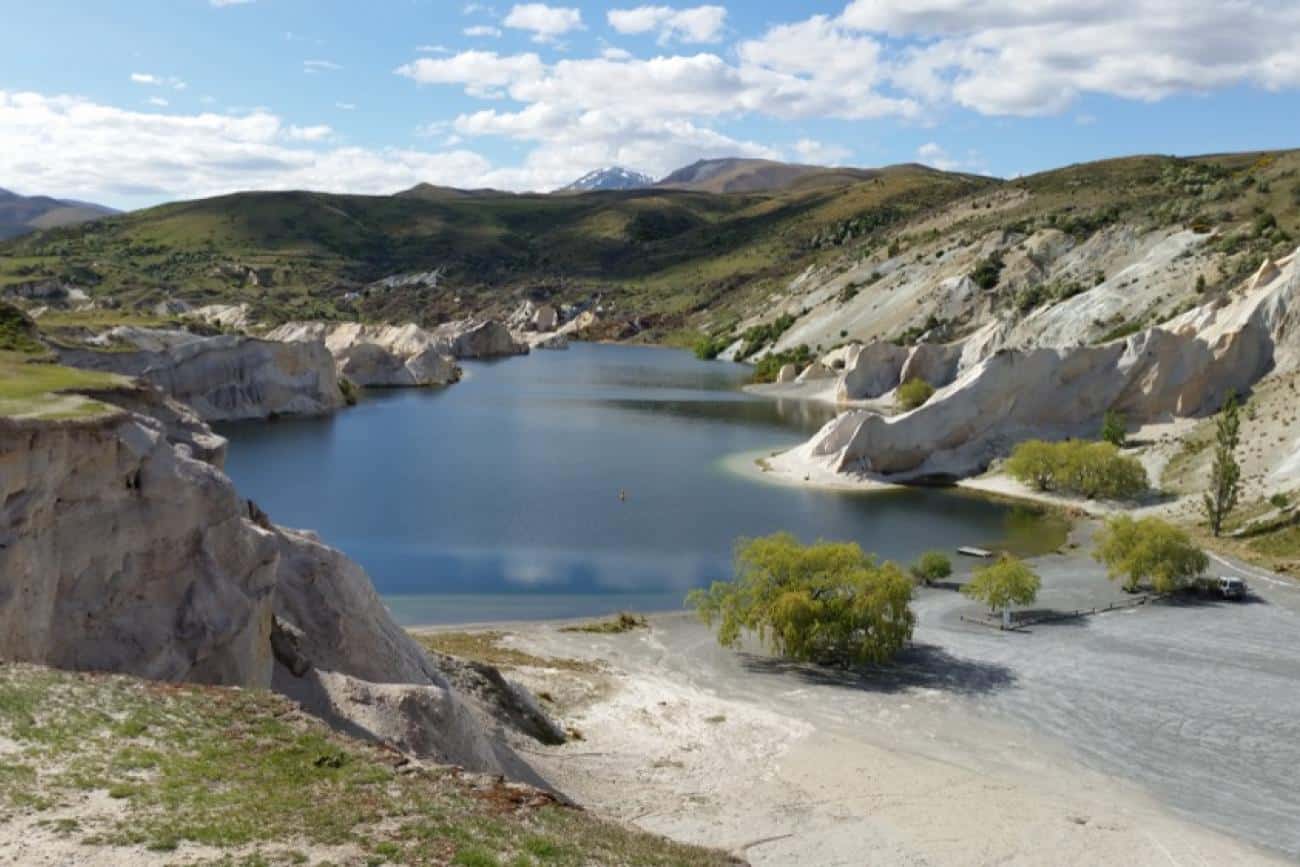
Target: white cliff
{"points": [[1186, 367], [120, 551], [223, 378], [378, 355]]}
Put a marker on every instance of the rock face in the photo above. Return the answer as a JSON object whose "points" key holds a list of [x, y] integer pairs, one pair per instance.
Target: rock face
{"points": [[471, 339], [223, 378], [1187, 367], [378, 355], [119, 551], [870, 371], [787, 373]]}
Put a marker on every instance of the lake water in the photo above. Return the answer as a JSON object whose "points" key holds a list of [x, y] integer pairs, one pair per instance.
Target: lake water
{"points": [[498, 497]]}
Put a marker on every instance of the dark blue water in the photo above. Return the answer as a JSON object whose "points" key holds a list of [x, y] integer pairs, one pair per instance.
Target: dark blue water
{"points": [[497, 498]]}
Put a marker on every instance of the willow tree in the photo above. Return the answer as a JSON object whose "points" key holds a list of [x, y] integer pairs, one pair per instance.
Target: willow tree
{"points": [[1148, 551], [1000, 585], [1225, 474], [828, 603]]}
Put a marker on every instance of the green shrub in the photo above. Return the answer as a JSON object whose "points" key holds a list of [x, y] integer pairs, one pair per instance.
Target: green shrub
{"points": [[770, 365], [1148, 551], [758, 336], [1095, 470], [987, 271], [1279, 501], [914, 393], [826, 603], [17, 331], [1003, 584], [707, 348], [931, 566], [1114, 430]]}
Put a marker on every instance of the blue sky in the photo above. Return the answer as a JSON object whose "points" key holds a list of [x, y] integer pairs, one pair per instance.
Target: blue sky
{"points": [[141, 101]]}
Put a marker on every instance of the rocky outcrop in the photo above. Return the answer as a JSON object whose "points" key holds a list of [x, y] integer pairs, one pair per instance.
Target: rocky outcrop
{"points": [[223, 378], [234, 317], [478, 339], [120, 551], [870, 371], [180, 424], [787, 373], [378, 355], [1187, 367]]}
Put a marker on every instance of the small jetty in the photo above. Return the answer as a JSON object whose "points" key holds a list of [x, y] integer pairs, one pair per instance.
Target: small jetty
{"points": [[972, 551]]}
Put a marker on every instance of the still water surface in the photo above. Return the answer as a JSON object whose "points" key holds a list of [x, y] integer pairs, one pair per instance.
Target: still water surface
{"points": [[498, 497]]}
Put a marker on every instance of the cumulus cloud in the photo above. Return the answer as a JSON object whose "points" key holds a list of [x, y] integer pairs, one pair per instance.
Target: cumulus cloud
{"points": [[936, 156], [546, 23], [483, 30], [1016, 58], [71, 146], [696, 24]]}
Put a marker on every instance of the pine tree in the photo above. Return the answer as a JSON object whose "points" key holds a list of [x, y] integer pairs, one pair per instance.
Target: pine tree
{"points": [[1225, 474]]}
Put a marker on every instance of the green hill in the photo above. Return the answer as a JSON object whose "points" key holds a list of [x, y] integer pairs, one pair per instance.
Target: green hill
{"points": [[657, 252], [665, 259]]}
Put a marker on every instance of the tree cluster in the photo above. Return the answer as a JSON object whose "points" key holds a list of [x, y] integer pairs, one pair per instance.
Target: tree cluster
{"points": [[1095, 470]]}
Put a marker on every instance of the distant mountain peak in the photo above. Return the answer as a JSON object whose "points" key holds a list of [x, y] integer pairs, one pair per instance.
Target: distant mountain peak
{"points": [[609, 178]]}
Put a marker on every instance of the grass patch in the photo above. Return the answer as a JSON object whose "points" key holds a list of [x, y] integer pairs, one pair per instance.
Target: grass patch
{"points": [[624, 622], [486, 647], [35, 389], [245, 771]]}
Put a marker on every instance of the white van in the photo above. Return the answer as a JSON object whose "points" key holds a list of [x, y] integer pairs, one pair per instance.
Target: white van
{"points": [[1231, 587]]}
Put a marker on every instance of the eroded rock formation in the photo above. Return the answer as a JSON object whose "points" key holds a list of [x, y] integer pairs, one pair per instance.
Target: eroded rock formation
{"points": [[1186, 367], [378, 355], [223, 378]]}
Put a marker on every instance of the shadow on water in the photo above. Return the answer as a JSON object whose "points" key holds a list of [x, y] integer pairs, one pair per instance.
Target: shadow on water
{"points": [[921, 666]]}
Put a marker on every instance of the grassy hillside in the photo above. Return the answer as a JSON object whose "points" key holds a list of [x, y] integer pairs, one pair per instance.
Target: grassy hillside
{"points": [[652, 253], [664, 261], [117, 770]]}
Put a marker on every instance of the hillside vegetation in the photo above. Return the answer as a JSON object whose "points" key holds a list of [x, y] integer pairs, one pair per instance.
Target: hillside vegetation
{"points": [[113, 769], [658, 254], [672, 264]]}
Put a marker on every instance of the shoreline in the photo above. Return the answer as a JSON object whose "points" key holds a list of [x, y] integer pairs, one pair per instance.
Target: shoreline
{"points": [[781, 763]]}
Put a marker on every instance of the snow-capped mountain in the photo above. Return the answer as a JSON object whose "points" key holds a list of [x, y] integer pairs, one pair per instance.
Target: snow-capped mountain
{"points": [[612, 178]]}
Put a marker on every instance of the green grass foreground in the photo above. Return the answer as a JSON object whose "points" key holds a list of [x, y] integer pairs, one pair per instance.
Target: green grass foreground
{"points": [[218, 775]]}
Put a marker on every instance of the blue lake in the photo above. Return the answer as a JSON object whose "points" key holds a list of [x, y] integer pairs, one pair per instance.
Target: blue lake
{"points": [[498, 497]]}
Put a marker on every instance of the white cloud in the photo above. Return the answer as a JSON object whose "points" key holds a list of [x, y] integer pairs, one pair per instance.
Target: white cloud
{"points": [[821, 153], [546, 23], [158, 80], [1028, 58], [483, 73], [158, 101], [94, 151], [936, 156], [483, 30], [697, 24], [320, 66], [319, 132]]}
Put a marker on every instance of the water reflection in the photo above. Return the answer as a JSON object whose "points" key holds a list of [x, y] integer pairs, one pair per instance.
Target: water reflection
{"points": [[505, 486]]}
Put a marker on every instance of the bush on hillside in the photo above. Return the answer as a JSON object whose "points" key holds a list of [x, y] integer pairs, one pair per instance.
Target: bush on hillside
{"points": [[1095, 470], [913, 393], [770, 365], [829, 603]]}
